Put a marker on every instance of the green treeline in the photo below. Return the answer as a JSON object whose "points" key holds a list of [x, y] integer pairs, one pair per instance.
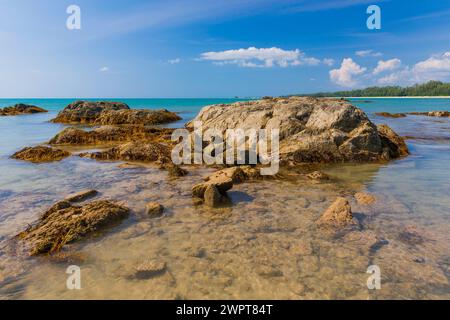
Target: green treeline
{"points": [[431, 88]]}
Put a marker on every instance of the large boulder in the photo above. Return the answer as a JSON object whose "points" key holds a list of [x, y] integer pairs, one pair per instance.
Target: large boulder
{"points": [[134, 151], [65, 223], [111, 113], [40, 154], [311, 129], [107, 134], [21, 108]]}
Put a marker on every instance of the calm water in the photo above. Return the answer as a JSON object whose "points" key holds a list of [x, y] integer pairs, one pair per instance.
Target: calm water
{"points": [[265, 246]]}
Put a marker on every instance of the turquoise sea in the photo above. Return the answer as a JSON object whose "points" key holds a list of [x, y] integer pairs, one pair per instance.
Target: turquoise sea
{"points": [[410, 191]]}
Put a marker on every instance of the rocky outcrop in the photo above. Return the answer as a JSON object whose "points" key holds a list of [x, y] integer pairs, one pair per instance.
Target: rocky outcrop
{"points": [[111, 113], [431, 113], [141, 151], [19, 109], [144, 117], [40, 154], [338, 215], [107, 134], [65, 223], [311, 129], [393, 145], [390, 115]]}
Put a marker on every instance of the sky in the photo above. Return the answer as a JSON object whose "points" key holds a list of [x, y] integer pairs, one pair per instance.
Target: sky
{"points": [[217, 48]]}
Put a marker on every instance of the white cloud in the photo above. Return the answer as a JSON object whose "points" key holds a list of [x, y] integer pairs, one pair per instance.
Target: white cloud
{"points": [[104, 69], [434, 64], [433, 68], [174, 61], [387, 65], [327, 61], [260, 57], [344, 76], [368, 53]]}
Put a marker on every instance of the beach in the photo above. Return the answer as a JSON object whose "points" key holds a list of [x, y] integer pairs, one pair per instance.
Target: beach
{"points": [[265, 246]]}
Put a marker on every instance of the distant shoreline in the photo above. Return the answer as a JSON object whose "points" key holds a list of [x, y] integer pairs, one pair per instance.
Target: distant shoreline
{"points": [[396, 97]]}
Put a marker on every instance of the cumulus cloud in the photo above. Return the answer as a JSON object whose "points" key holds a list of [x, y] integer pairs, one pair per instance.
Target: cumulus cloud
{"points": [[260, 57], [387, 65], [368, 53], [104, 69], [174, 61], [345, 75], [434, 68]]}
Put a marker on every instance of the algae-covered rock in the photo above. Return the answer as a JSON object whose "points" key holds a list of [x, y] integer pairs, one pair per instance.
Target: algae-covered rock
{"points": [[64, 223], [40, 154]]}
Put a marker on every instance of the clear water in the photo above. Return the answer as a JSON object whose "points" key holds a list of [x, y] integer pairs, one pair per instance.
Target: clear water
{"points": [[265, 246]]}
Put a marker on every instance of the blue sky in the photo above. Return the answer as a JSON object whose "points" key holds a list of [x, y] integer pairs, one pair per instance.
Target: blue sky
{"points": [[208, 48]]}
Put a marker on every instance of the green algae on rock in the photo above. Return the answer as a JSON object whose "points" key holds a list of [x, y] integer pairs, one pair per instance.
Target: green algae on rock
{"points": [[64, 223], [111, 113], [40, 154], [19, 109]]}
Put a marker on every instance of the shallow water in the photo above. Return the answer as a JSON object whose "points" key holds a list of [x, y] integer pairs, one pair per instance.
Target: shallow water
{"points": [[265, 246]]}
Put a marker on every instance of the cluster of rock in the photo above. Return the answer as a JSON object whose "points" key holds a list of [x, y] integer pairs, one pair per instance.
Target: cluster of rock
{"points": [[431, 113], [213, 192], [141, 151], [111, 113], [311, 129], [65, 222], [19, 109], [402, 115], [108, 134], [390, 115]]}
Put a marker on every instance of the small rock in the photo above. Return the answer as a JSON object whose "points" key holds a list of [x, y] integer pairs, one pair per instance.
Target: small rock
{"points": [[176, 171], [364, 198], [410, 235], [339, 214], [213, 198], [150, 269], [154, 209], [318, 175], [82, 195]]}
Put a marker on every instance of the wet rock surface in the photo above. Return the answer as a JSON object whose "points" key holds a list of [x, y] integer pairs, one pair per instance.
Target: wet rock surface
{"points": [[311, 129], [107, 134], [390, 115], [20, 109], [64, 223], [111, 113], [40, 154], [134, 151], [364, 198], [431, 113]]}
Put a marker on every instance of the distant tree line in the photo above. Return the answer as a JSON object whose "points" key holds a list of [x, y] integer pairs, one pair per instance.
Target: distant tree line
{"points": [[431, 88]]}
